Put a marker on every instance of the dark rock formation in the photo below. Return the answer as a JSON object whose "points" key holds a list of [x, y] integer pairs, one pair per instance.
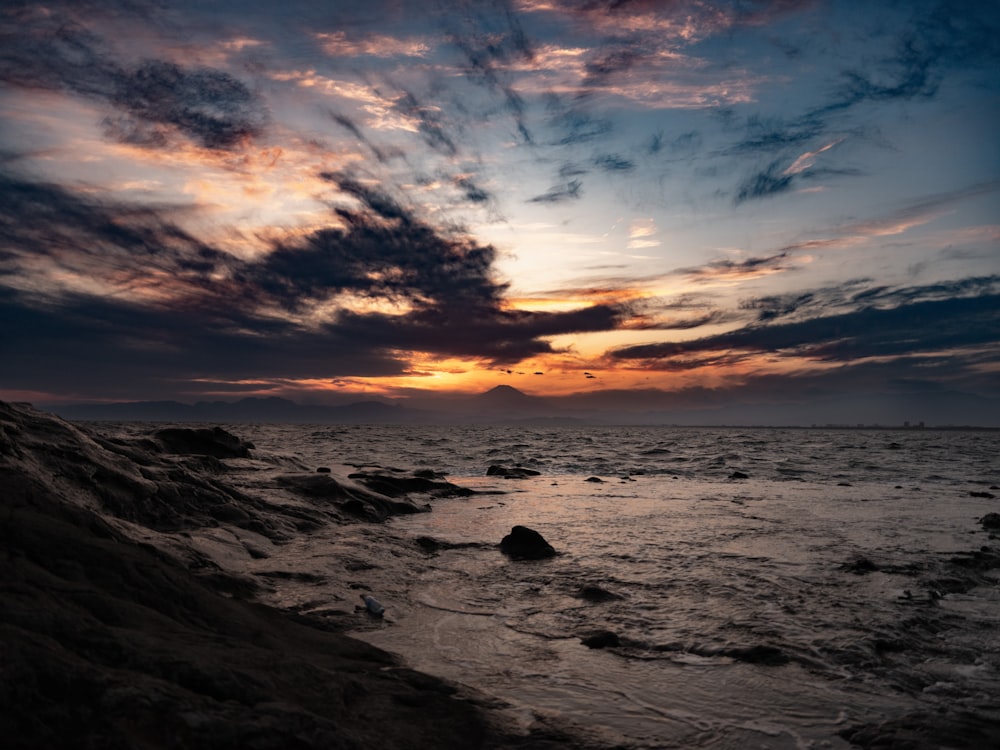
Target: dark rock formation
{"points": [[432, 545], [523, 543], [860, 566], [594, 593], [950, 727], [739, 475], [595, 480], [354, 501], [395, 485], [769, 656], [990, 521], [601, 639], [214, 442], [516, 472], [108, 641]]}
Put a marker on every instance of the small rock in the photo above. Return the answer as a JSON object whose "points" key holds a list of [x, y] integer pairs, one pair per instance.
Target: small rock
{"points": [[523, 543], [861, 566], [601, 639], [323, 470], [516, 472], [987, 495], [594, 593], [739, 475], [769, 656], [373, 605], [595, 480], [990, 521]]}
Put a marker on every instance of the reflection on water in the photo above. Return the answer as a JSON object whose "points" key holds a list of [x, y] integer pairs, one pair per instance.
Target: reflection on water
{"points": [[834, 587], [703, 572]]}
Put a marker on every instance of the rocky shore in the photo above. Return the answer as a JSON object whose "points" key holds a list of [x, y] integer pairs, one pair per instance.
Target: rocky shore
{"points": [[116, 631]]}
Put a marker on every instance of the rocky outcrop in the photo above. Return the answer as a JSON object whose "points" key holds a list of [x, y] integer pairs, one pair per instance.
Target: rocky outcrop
{"points": [[109, 641], [601, 639], [991, 521], [354, 501], [397, 485], [593, 593], [523, 543], [515, 472], [215, 442]]}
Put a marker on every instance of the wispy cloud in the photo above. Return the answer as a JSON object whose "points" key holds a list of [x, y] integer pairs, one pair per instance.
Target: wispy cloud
{"points": [[906, 322], [142, 289], [558, 193]]}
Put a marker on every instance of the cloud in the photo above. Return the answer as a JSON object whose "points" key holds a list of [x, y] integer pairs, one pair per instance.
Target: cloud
{"points": [[613, 163], [210, 106], [559, 193], [338, 44], [916, 60], [96, 291], [350, 126], [152, 100], [764, 184], [748, 268], [908, 322], [429, 122]]}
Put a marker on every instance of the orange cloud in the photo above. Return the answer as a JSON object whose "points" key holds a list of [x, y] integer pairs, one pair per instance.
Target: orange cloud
{"points": [[337, 44]]}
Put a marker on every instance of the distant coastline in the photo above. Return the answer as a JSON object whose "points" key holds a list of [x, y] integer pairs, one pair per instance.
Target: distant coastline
{"points": [[501, 405]]}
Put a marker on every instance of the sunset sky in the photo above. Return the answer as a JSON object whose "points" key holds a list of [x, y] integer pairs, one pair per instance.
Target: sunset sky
{"points": [[757, 200]]}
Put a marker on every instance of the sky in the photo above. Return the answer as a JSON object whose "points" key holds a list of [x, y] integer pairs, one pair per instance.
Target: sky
{"points": [[705, 203]]}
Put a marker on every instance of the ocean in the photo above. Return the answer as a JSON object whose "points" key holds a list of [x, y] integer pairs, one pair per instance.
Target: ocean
{"points": [[752, 587]]}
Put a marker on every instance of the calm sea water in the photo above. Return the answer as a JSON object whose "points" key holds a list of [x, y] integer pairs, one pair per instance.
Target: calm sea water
{"points": [[834, 586]]}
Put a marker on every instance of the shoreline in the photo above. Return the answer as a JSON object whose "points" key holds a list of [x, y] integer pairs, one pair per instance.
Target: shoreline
{"points": [[118, 633]]}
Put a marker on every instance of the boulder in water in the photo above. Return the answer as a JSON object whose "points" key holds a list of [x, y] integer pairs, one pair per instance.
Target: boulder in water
{"points": [[768, 656], [523, 543], [601, 639], [860, 566], [516, 472], [593, 593], [990, 521]]}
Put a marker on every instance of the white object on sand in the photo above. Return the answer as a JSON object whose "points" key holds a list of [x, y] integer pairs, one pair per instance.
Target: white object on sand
{"points": [[372, 604]]}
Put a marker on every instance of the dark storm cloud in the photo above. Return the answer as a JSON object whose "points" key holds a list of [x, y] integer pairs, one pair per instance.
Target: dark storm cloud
{"points": [[150, 100], [168, 306], [92, 346], [43, 221], [503, 337], [208, 105], [909, 328]]}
